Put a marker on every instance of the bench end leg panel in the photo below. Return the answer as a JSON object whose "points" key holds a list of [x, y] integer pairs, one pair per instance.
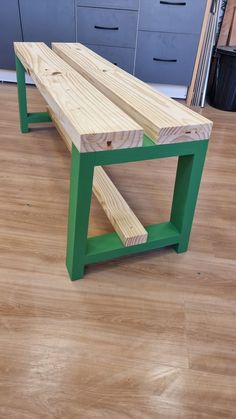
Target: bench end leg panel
{"points": [[188, 180], [81, 182]]}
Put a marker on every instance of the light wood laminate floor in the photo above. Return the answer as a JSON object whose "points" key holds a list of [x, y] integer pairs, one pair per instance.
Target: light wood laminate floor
{"points": [[149, 336]]}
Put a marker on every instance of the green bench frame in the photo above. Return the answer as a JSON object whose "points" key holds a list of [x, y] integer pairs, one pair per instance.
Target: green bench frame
{"points": [[81, 250]]}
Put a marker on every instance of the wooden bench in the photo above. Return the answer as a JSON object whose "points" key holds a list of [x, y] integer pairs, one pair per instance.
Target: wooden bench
{"points": [[107, 116]]}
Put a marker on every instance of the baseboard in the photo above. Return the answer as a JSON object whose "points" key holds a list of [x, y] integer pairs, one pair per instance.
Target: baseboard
{"points": [[10, 77], [171, 90]]}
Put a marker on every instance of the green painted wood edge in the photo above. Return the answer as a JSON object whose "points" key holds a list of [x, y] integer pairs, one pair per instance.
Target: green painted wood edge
{"points": [[109, 246], [38, 117], [25, 117], [81, 183], [187, 184], [149, 151], [22, 98]]}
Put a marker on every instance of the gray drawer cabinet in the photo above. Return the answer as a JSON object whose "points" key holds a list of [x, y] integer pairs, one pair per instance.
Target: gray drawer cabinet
{"points": [[166, 58], [154, 39], [182, 16], [113, 4], [10, 31], [107, 26], [122, 57], [48, 20]]}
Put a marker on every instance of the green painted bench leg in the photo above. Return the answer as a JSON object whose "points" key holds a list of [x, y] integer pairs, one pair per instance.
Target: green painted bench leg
{"points": [[25, 117], [81, 182], [188, 179], [22, 98]]}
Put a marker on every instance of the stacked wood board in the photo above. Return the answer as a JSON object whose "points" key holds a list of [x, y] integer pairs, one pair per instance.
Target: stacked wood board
{"points": [[163, 119], [75, 102]]}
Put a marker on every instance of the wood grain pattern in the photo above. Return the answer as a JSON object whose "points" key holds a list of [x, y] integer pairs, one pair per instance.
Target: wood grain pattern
{"points": [[226, 24], [123, 219], [150, 336], [163, 119], [92, 122]]}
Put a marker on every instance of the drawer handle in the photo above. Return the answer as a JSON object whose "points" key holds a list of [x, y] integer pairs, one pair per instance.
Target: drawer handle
{"points": [[173, 4], [116, 28], [164, 61]]}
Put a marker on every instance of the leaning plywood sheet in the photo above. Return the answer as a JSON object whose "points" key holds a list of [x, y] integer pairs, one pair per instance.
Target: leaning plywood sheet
{"points": [[201, 46], [232, 35], [163, 119], [90, 119], [124, 221]]}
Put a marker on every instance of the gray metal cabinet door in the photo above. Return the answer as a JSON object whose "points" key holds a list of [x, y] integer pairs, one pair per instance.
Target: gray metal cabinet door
{"points": [[10, 31], [122, 57], [107, 26], [48, 20], [112, 4], [183, 16], [166, 58]]}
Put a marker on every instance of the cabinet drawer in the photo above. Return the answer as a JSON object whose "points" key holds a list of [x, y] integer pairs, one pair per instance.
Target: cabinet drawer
{"points": [[106, 27], [112, 4], [122, 57], [183, 16], [48, 20], [166, 58]]}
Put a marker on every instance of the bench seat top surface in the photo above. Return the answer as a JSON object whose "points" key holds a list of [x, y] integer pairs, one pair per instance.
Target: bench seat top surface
{"points": [[163, 119], [91, 120]]}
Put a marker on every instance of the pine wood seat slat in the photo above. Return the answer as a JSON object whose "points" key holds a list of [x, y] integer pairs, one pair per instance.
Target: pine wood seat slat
{"points": [[90, 119], [163, 119]]}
